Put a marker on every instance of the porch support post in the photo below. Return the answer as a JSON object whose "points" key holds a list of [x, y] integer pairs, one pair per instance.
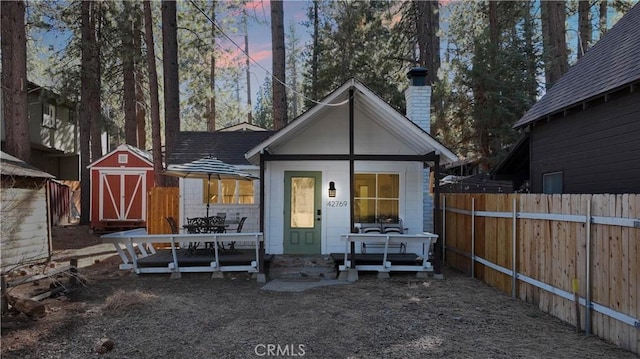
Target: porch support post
{"points": [[438, 247], [353, 272], [261, 278]]}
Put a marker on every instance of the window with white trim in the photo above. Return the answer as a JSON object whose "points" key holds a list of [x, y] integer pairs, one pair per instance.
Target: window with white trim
{"points": [[49, 116], [228, 191], [377, 197]]}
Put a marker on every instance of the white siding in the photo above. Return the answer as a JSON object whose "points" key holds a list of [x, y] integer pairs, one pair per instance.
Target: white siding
{"points": [[336, 220], [331, 136], [24, 235], [327, 136], [192, 205]]}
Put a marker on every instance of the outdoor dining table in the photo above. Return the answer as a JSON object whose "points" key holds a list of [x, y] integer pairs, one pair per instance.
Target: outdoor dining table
{"points": [[199, 228], [207, 225]]}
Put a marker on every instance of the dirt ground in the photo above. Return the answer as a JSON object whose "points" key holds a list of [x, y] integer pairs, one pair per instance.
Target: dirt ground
{"points": [[152, 316]]}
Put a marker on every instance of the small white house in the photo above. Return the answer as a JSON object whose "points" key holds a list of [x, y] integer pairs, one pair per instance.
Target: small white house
{"points": [[353, 136], [25, 236]]}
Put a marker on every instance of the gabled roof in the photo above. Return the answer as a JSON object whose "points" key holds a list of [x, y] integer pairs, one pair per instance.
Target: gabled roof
{"points": [[142, 154], [12, 166], [611, 64], [374, 107], [227, 146], [243, 126]]}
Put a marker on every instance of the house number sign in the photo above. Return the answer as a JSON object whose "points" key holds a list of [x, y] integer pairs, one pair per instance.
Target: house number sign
{"points": [[337, 203]]}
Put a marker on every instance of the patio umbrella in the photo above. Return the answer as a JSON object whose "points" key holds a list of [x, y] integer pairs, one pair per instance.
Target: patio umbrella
{"points": [[208, 168]]}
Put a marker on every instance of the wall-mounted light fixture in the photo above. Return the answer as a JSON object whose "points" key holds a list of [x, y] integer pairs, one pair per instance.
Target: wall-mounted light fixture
{"points": [[332, 189]]}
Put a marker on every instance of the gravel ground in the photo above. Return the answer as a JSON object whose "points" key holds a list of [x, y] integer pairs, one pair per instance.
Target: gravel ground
{"points": [[152, 316]]}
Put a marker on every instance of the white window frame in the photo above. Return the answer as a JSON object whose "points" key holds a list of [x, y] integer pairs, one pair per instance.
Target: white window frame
{"points": [[48, 115], [236, 194], [376, 197]]}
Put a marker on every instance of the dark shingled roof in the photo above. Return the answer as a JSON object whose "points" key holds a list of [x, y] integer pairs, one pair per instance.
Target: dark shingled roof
{"points": [[228, 147], [12, 166], [612, 63]]}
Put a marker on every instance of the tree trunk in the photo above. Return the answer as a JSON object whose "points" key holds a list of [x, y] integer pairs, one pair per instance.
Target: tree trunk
{"points": [[314, 60], [211, 120], [153, 96], [603, 17], [95, 118], [84, 120], [14, 79], [141, 109], [279, 91], [584, 25], [428, 39], [246, 49], [129, 80], [171, 83], [555, 46]]}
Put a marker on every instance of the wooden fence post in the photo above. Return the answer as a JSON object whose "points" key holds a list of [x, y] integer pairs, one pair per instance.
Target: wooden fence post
{"points": [[73, 278], [513, 252], [444, 227], [587, 324], [473, 237], [4, 305]]}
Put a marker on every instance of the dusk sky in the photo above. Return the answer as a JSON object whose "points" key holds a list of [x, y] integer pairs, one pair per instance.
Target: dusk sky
{"points": [[260, 36]]}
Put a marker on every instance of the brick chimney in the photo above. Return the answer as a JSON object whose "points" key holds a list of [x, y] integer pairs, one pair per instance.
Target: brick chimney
{"points": [[418, 98]]}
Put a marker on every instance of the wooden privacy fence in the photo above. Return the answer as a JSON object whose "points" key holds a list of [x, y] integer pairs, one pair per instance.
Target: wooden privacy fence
{"points": [[551, 249], [162, 202]]}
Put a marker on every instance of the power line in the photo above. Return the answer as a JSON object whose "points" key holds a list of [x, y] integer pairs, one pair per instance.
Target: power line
{"points": [[260, 66]]}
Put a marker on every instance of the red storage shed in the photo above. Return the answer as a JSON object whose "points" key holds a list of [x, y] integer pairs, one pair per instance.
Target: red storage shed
{"points": [[120, 181]]}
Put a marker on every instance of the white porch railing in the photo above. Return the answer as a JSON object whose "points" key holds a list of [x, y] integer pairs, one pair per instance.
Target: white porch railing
{"points": [[384, 241], [126, 243]]}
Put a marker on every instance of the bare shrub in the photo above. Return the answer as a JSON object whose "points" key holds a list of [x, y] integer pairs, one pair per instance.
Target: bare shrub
{"points": [[121, 299]]}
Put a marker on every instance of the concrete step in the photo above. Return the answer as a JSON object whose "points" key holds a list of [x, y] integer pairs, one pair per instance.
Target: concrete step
{"points": [[302, 266]]}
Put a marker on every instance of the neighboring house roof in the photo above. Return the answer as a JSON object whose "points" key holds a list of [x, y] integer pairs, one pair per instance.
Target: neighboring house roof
{"points": [[516, 160], [610, 64], [12, 166], [243, 126], [376, 109], [50, 94], [478, 183], [227, 146], [143, 155]]}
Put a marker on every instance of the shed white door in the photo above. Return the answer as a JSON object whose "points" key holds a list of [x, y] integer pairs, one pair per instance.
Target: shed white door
{"points": [[122, 196]]}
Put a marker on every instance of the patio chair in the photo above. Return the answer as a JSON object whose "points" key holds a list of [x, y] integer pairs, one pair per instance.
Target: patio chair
{"points": [[196, 225], [384, 227], [216, 224], [240, 224], [232, 245], [392, 227], [370, 228], [173, 224]]}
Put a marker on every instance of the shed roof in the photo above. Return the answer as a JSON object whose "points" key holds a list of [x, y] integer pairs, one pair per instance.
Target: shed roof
{"points": [[609, 65], [142, 154], [375, 108], [227, 146], [12, 166]]}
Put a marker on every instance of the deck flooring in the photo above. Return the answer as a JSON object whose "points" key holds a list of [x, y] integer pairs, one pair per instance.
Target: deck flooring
{"points": [[376, 258], [199, 257]]}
